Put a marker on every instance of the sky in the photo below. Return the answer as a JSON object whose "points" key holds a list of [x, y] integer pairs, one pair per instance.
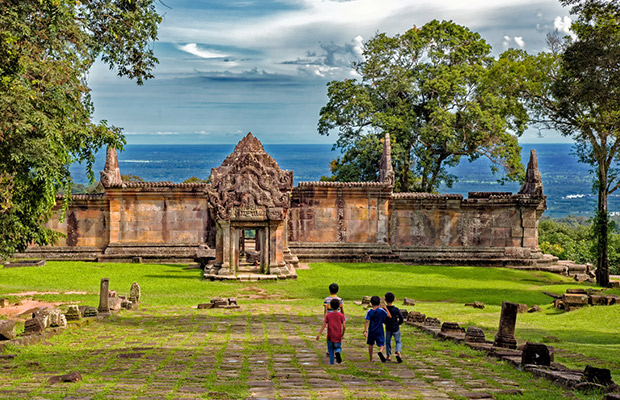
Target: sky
{"points": [[228, 67]]}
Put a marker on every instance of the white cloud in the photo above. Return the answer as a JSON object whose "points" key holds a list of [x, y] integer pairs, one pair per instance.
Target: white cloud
{"points": [[506, 42], [192, 48], [562, 25], [358, 45], [519, 41]]}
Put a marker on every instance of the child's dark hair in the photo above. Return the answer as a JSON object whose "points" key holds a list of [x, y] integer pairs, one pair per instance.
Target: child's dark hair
{"points": [[334, 304], [389, 297], [333, 288], [375, 301]]}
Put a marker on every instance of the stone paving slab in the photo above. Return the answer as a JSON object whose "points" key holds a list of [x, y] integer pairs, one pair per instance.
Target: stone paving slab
{"points": [[220, 354]]}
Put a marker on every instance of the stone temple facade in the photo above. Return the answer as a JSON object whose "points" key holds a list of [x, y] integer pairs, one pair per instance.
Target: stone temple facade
{"points": [[251, 215]]}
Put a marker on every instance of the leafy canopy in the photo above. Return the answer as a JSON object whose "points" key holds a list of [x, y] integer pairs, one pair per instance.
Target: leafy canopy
{"points": [[46, 50], [574, 89], [436, 91]]}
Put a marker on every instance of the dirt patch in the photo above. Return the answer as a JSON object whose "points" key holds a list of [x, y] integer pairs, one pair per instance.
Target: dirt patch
{"points": [[15, 310], [255, 293]]}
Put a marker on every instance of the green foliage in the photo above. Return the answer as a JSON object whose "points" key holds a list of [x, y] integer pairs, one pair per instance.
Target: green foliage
{"points": [[194, 179], [435, 91], [46, 50], [131, 178], [574, 238], [573, 89]]}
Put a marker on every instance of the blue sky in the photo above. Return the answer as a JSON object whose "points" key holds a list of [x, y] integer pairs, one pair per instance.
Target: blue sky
{"points": [[228, 67]]}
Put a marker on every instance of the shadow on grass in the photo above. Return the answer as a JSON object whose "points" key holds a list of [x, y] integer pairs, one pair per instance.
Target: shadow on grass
{"points": [[163, 276], [489, 296]]}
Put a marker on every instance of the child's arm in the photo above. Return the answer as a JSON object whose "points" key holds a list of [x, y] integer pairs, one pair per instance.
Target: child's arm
{"points": [[366, 329], [400, 318], [387, 311], [321, 331], [325, 306], [344, 328], [342, 308]]}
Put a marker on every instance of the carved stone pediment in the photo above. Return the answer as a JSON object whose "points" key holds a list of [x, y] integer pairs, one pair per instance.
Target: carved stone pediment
{"points": [[249, 183]]}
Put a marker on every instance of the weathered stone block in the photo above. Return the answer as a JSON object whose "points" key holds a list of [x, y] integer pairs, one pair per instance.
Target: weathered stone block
{"points": [[476, 304], [73, 313], [451, 327], [406, 301], [535, 353], [7, 329], [474, 335], [67, 378], [34, 326], [597, 375], [115, 303], [572, 300]]}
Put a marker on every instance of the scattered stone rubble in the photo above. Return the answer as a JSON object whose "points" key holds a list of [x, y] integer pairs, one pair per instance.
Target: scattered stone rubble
{"points": [[220, 302], [7, 329], [25, 263], [70, 377], [577, 298], [475, 304], [534, 357]]}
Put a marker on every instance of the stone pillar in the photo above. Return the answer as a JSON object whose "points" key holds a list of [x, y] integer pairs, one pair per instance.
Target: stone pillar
{"points": [[234, 249], [261, 238], [507, 321], [104, 289], [223, 247]]}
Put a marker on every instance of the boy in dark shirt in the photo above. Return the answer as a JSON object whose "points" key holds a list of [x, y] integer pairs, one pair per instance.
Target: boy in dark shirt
{"points": [[392, 328], [373, 330], [334, 321]]}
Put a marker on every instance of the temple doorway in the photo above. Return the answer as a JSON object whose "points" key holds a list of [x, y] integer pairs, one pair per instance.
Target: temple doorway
{"points": [[252, 250]]}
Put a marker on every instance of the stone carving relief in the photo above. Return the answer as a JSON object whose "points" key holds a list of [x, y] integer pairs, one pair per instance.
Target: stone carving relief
{"points": [[250, 184]]}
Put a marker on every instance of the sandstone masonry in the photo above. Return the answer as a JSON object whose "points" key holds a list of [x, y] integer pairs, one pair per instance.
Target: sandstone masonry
{"points": [[352, 221]]}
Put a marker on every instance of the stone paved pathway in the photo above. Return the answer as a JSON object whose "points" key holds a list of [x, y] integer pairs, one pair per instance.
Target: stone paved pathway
{"points": [[253, 353]]}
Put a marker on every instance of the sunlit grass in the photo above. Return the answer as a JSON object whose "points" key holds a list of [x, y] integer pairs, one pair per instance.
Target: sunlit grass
{"points": [[439, 292]]}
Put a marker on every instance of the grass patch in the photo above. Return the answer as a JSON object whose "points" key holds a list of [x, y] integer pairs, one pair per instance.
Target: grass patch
{"points": [[588, 335]]}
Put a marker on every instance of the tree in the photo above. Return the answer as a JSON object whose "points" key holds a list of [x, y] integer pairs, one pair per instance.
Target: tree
{"points": [[433, 91], [46, 50], [574, 89]]}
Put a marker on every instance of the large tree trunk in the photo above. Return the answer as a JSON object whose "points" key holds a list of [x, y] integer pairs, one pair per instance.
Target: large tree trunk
{"points": [[602, 270]]}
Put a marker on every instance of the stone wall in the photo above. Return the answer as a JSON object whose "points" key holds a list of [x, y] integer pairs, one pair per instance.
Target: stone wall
{"points": [[164, 221], [366, 222]]}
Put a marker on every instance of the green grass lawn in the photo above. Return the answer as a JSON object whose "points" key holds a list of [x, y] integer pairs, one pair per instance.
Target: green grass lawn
{"points": [[589, 335]]}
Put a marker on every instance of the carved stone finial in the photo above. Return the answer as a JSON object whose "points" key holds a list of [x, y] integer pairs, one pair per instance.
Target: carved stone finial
{"points": [[250, 184], [111, 174], [533, 182], [386, 173]]}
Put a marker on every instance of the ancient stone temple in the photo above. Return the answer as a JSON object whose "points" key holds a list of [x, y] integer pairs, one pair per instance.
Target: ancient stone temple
{"points": [[252, 218]]}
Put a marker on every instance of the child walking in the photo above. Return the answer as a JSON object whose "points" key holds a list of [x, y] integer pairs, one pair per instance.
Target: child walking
{"points": [[373, 330], [333, 294], [334, 321], [392, 328]]}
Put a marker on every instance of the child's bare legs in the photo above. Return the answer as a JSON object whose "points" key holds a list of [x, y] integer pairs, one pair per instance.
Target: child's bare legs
{"points": [[370, 351]]}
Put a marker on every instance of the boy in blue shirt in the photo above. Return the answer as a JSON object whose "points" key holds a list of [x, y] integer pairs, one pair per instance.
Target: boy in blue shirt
{"points": [[373, 330]]}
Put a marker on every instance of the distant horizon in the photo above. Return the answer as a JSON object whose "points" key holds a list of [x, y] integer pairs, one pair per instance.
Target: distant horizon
{"points": [[300, 144]]}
